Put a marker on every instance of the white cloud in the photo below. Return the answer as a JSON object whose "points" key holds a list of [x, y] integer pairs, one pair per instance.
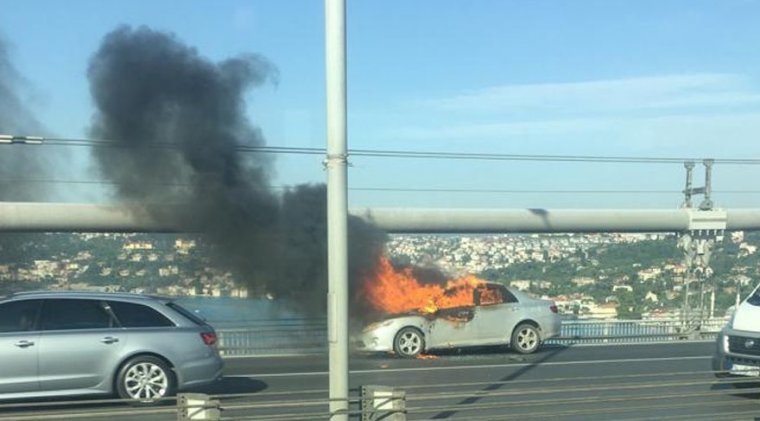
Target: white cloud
{"points": [[727, 135], [640, 93], [489, 131], [713, 112]]}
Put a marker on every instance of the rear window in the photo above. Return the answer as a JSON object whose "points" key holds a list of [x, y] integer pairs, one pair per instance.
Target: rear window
{"points": [[138, 315], [187, 313]]}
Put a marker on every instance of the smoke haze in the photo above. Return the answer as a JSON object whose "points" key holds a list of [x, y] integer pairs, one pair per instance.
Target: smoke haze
{"points": [[17, 161], [176, 121]]}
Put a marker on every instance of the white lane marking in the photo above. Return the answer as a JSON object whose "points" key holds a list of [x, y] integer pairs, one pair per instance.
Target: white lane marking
{"points": [[477, 367]]}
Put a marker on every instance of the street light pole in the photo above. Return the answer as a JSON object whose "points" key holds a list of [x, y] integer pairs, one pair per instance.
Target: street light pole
{"points": [[337, 207]]}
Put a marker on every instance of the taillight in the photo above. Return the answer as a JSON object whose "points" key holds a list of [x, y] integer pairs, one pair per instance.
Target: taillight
{"points": [[209, 338], [553, 308]]}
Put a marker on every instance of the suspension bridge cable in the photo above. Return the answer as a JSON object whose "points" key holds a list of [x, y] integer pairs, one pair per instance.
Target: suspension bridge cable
{"points": [[417, 154], [392, 189]]}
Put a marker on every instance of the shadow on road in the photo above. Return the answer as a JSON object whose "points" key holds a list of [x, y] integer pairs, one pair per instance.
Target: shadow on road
{"points": [[748, 388], [547, 355], [232, 386]]}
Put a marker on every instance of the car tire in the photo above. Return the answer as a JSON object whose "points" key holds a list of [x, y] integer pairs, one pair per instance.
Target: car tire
{"points": [[525, 338], [144, 380], [409, 342]]}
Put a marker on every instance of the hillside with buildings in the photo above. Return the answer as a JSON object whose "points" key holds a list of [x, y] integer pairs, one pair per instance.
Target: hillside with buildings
{"points": [[588, 275], [591, 275]]}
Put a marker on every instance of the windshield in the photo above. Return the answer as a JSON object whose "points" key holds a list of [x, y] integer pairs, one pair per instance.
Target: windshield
{"points": [[754, 298]]}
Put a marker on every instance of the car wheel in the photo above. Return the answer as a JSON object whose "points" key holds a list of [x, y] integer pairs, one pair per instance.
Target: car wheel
{"points": [[525, 339], [409, 342], [144, 380]]}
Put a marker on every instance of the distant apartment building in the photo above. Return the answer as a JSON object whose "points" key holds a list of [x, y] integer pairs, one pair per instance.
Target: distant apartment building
{"points": [[649, 274], [602, 311], [583, 281], [184, 246], [522, 285], [138, 245]]}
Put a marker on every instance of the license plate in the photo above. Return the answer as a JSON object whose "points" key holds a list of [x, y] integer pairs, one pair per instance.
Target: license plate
{"points": [[745, 370]]}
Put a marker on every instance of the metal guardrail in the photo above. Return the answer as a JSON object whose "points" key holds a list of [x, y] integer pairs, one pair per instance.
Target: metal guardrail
{"points": [[547, 398], [621, 397], [308, 336]]}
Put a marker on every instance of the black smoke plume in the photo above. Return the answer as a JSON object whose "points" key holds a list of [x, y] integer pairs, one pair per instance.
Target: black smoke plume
{"points": [[17, 161], [177, 121]]}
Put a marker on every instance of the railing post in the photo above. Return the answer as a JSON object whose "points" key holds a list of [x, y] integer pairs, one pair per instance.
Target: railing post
{"points": [[383, 403], [197, 406]]}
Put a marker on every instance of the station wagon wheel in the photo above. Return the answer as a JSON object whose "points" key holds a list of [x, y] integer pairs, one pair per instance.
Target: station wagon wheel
{"points": [[409, 342], [144, 380], [525, 338]]}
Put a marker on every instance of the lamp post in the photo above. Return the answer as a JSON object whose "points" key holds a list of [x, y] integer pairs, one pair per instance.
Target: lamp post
{"points": [[336, 162]]}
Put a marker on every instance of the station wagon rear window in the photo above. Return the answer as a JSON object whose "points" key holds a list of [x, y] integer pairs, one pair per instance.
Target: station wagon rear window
{"points": [[138, 315], [187, 313]]}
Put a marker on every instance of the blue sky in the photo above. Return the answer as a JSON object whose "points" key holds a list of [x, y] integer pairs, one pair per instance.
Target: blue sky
{"points": [[623, 78]]}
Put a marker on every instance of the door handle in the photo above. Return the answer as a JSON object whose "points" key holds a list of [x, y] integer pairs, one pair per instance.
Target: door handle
{"points": [[109, 340], [24, 344]]}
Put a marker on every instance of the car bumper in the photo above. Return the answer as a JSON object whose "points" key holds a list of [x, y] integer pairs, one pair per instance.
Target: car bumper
{"points": [[372, 342], [199, 372], [551, 328], [737, 353]]}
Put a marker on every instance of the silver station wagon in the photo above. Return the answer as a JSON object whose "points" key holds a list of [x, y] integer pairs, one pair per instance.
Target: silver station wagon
{"points": [[507, 317], [139, 347]]}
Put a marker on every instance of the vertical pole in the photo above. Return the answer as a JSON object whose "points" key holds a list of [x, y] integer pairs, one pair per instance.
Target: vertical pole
{"points": [[337, 207], [711, 315], [707, 203], [738, 292], [687, 191]]}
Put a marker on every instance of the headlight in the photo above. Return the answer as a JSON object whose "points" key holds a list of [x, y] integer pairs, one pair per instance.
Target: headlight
{"points": [[725, 342]]}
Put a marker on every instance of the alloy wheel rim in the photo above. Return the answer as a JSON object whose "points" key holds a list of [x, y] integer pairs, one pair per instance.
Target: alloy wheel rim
{"points": [[527, 339], [409, 343], [146, 382]]}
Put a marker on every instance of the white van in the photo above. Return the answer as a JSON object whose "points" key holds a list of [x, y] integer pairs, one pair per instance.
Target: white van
{"points": [[738, 345]]}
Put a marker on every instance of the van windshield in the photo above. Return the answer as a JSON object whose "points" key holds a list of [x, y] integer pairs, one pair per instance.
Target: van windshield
{"points": [[754, 298]]}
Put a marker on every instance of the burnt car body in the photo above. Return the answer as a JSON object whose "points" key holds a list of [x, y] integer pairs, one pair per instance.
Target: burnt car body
{"points": [[499, 316]]}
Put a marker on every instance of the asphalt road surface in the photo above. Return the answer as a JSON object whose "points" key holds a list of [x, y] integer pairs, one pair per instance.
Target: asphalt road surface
{"points": [[620, 382]]}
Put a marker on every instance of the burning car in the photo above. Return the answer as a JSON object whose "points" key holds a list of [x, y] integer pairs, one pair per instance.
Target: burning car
{"points": [[486, 314]]}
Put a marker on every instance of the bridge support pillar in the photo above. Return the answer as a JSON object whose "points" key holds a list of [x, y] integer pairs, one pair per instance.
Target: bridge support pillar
{"points": [[383, 403], [197, 406]]}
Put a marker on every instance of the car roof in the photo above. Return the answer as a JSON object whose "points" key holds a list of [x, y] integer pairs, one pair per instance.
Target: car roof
{"points": [[86, 294]]}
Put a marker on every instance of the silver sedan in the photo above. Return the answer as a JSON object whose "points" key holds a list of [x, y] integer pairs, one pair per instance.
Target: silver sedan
{"points": [[507, 317]]}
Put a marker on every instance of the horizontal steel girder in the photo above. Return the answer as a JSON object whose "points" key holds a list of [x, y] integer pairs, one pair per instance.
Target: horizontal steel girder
{"points": [[79, 217]]}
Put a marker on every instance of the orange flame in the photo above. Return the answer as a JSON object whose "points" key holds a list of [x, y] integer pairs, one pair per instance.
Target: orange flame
{"points": [[394, 291]]}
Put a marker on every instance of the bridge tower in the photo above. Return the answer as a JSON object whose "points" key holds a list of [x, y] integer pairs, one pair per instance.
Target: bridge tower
{"points": [[706, 227]]}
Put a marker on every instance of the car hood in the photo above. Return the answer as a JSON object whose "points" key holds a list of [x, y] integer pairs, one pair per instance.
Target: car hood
{"points": [[407, 319], [747, 317]]}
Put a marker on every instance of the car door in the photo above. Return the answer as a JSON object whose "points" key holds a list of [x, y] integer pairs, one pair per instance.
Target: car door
{"points": [[452, 327], [19, 346], [80, 345], [496, 314]]}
